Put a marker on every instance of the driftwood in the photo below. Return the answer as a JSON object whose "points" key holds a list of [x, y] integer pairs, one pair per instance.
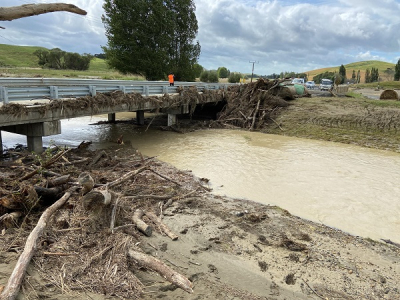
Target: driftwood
{"points": [[49, 194], [86, 181], [158, 266], [140, 224], [46, 165], [14, 282], [127, 176], [58, 181], [164, 228], [97, 158], [11, 219], [28, 10], [96, 199]]}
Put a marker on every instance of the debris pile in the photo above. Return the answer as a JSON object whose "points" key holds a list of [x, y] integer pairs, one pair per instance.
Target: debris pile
{"points": [[252, 106], [92, 237]]}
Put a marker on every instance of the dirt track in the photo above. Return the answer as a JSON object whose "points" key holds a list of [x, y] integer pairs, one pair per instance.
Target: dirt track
{"points": [[229, 249]]}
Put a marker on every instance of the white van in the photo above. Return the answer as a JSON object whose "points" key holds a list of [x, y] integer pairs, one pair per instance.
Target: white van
{"points": [[326, 84], [298, 81]]}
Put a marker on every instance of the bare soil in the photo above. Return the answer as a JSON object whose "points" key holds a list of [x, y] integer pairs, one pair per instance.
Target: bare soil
{"points": [[228, 248]]}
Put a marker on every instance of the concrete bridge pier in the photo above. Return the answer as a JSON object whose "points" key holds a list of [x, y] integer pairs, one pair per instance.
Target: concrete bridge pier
{"points": [[172, 112], [111, 117], [140, 117], [35, 132]]}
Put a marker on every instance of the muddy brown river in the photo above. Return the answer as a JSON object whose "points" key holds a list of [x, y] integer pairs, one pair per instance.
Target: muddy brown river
{"points": [[348, 187]]}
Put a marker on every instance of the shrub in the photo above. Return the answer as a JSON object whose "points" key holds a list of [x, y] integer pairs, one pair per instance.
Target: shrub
{"points": [[234, 77], [204, 76], [213, 76]]}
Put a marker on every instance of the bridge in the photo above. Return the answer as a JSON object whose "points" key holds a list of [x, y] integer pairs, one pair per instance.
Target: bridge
{"points": [[46, 101]]}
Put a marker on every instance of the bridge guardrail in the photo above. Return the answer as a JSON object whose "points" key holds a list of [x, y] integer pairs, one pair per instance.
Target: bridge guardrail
{"points": [[20, 89]]}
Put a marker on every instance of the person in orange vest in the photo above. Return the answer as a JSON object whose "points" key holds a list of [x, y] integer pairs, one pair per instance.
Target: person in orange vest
{"points": [[171, 79]]}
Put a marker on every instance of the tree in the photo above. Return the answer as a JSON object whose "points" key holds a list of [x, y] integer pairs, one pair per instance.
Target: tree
{"points": [[58, 59], [389, 74], [353, 75], [183, 53], [152, 37], [342, 73], [198, 69], [234, 77], [397, 71], [367, 76], [223, 72], [358, 79]]}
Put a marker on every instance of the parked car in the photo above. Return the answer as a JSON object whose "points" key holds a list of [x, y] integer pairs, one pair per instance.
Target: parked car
{"points": [[298, 81], [310, 85], [326, 84]]}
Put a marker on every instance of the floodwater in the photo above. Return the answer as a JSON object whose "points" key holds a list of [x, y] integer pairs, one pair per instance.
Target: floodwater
{"points": [[348, 187]]}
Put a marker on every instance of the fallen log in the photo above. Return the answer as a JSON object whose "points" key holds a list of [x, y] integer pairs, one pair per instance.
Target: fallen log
{"points": [[164, 228], [96, 199], [58, 181], [140, 224], [49, 194], [13, 285], [149, 262]]}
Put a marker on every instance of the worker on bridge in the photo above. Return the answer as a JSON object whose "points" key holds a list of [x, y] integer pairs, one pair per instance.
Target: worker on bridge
{"points": [[171, 79]]}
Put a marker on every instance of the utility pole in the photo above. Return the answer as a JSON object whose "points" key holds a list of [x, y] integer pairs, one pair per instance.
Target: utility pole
{"points": [[252, 70]]}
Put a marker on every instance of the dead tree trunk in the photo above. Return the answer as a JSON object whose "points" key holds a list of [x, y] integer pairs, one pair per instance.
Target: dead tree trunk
{"points": [[16, 12], [158, 266], [11, 290]]}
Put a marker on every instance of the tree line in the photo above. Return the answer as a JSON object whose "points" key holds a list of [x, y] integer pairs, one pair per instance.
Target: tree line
{"points": [[58, 59]]}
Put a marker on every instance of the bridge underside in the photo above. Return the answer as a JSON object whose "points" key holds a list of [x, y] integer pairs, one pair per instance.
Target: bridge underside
{"points": [[35, 131]]}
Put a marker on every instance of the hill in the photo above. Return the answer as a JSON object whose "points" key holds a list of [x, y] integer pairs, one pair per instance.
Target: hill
{"points": [[361, 65], [23, 57]]}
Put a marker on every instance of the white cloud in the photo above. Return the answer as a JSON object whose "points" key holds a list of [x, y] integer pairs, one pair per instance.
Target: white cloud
{"points": [[282, 35]]}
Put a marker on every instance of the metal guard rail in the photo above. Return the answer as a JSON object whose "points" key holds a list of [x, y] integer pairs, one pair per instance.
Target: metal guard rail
{"points": [[20, 89]]}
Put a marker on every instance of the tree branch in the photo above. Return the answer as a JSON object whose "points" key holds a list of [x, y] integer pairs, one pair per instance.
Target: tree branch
{"points": [[28, 10]]}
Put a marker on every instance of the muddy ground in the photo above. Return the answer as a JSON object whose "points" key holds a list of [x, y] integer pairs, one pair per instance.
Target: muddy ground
{"points": [[228, 248]]}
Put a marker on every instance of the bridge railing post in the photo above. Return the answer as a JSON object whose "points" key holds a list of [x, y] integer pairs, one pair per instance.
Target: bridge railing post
{"points": [[54, 92], [122, 88], [92, 90], [146, 91], [4, 95]]}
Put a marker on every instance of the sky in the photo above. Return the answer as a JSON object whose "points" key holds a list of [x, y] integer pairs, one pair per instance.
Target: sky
{"points": [[277, 35]]}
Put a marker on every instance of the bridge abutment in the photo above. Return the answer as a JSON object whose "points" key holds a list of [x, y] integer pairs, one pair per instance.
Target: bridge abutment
{"points": [[35, 132]]}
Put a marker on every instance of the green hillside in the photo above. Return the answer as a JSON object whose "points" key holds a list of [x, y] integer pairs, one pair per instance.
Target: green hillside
{"points": [[361, 65], [23, 57], [18, 56], [19, 61]]}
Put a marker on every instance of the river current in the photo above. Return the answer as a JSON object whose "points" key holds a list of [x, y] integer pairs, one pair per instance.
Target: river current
{"points": [[348, 187]]}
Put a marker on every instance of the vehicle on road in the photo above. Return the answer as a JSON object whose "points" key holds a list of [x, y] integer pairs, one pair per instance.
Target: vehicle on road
{"points": [[326, 85], [310, 85], [298, 81]]}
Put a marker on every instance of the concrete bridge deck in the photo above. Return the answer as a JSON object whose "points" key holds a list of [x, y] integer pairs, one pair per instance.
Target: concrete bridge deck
{"points": [[44, 117]]}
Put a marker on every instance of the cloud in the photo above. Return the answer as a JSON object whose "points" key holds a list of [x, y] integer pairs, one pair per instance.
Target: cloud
{"points": [[281, 35]]}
